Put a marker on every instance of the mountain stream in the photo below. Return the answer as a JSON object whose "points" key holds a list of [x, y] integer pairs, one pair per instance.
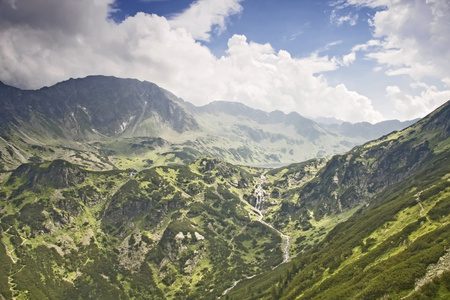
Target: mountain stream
{"points": [[259, 199], [260, 195]]}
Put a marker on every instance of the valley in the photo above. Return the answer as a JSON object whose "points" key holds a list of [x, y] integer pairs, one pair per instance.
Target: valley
{"points": [[110, 123], [153, 198]]}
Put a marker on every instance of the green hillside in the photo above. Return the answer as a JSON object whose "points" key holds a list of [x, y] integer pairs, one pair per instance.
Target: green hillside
{"points": [[396, 245], [372, 223]]}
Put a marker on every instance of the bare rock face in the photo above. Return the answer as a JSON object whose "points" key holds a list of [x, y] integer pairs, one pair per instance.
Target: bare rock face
{"points": [[132, 251]]}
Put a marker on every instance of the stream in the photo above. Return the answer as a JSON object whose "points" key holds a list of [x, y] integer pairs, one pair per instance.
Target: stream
{"points": [[259, 199], [259, 192]]}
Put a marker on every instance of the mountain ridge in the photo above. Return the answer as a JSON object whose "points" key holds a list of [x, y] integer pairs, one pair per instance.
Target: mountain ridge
{"points": [[108, 120]]}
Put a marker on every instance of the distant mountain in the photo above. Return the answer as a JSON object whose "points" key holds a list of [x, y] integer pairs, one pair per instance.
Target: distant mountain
{"points": [[94, 106], [368, 130], [106, 123], [328, 121], [303, 126]]}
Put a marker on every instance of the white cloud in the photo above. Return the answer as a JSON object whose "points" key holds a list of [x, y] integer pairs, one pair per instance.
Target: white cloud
{"points": [[366, 46], [413, 37], [414, 106], [339, 4], [348, 59], [349, 18], [410, 38], [58, 17], [204, 16], [258, 76], [43, 49], [446, 80]]}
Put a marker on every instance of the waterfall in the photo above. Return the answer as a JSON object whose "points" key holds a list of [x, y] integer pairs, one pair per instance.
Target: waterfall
{"points": [[259, 193]]}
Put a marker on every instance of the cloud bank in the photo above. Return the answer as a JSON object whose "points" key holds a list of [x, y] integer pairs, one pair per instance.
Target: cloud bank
{"points": [[46, 41], [410, 38]]}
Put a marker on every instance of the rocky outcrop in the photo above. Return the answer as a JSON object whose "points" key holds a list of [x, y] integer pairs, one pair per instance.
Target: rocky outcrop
{"points": [[353, 178], [59, 173], [435, 270]]}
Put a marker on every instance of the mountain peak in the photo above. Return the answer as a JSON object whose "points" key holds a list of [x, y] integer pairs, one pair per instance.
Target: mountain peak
{"points": [[101, 104]]}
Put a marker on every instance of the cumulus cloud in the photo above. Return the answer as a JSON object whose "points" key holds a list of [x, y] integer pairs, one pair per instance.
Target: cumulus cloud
{"points": [[67, 17], [87, 42], [410, 38], [348, 59], [204, 16], [415, 38], [259, 76], [60, 39], [413, 106]]}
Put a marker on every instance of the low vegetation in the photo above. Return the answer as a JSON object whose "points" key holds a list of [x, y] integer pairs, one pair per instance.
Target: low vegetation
{"points": [[373, 223]]}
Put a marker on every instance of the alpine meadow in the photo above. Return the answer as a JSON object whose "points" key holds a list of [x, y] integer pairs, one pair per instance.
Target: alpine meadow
{"points": [[224, 149], [116, 189]]}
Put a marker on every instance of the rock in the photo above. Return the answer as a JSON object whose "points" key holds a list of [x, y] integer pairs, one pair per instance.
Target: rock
{"points": [[199, 237], [179, 236], [210, 226]]}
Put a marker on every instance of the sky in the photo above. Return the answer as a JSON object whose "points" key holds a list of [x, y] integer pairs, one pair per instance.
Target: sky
{"points": [[353, 60]]}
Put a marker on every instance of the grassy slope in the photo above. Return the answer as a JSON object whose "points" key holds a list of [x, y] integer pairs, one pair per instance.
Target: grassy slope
{"points": [[88, 232], [73, 233], [385, 247]]}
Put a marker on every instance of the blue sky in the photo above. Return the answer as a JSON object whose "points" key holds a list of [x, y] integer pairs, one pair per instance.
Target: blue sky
{"points": [[354, 60], [300, 27]]}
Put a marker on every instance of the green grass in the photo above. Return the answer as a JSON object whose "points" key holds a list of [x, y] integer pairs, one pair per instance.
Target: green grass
{"points": [[91, 230]]}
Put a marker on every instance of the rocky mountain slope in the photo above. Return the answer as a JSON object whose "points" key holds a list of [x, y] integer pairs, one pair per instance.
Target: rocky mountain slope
{"points": [[96, 105], [164, 233], [395, 246], [111, 123], [370, 223]]}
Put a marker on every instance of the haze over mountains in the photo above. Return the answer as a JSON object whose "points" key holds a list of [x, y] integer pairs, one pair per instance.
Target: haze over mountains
{"points": [[106, 122]]}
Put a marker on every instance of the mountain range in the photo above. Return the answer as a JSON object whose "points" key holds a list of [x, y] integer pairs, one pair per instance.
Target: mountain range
{"points": [[106, 122], [81, 217]]}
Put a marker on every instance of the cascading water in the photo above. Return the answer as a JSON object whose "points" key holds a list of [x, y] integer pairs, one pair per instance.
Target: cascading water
{"points": [[259, 194]]}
